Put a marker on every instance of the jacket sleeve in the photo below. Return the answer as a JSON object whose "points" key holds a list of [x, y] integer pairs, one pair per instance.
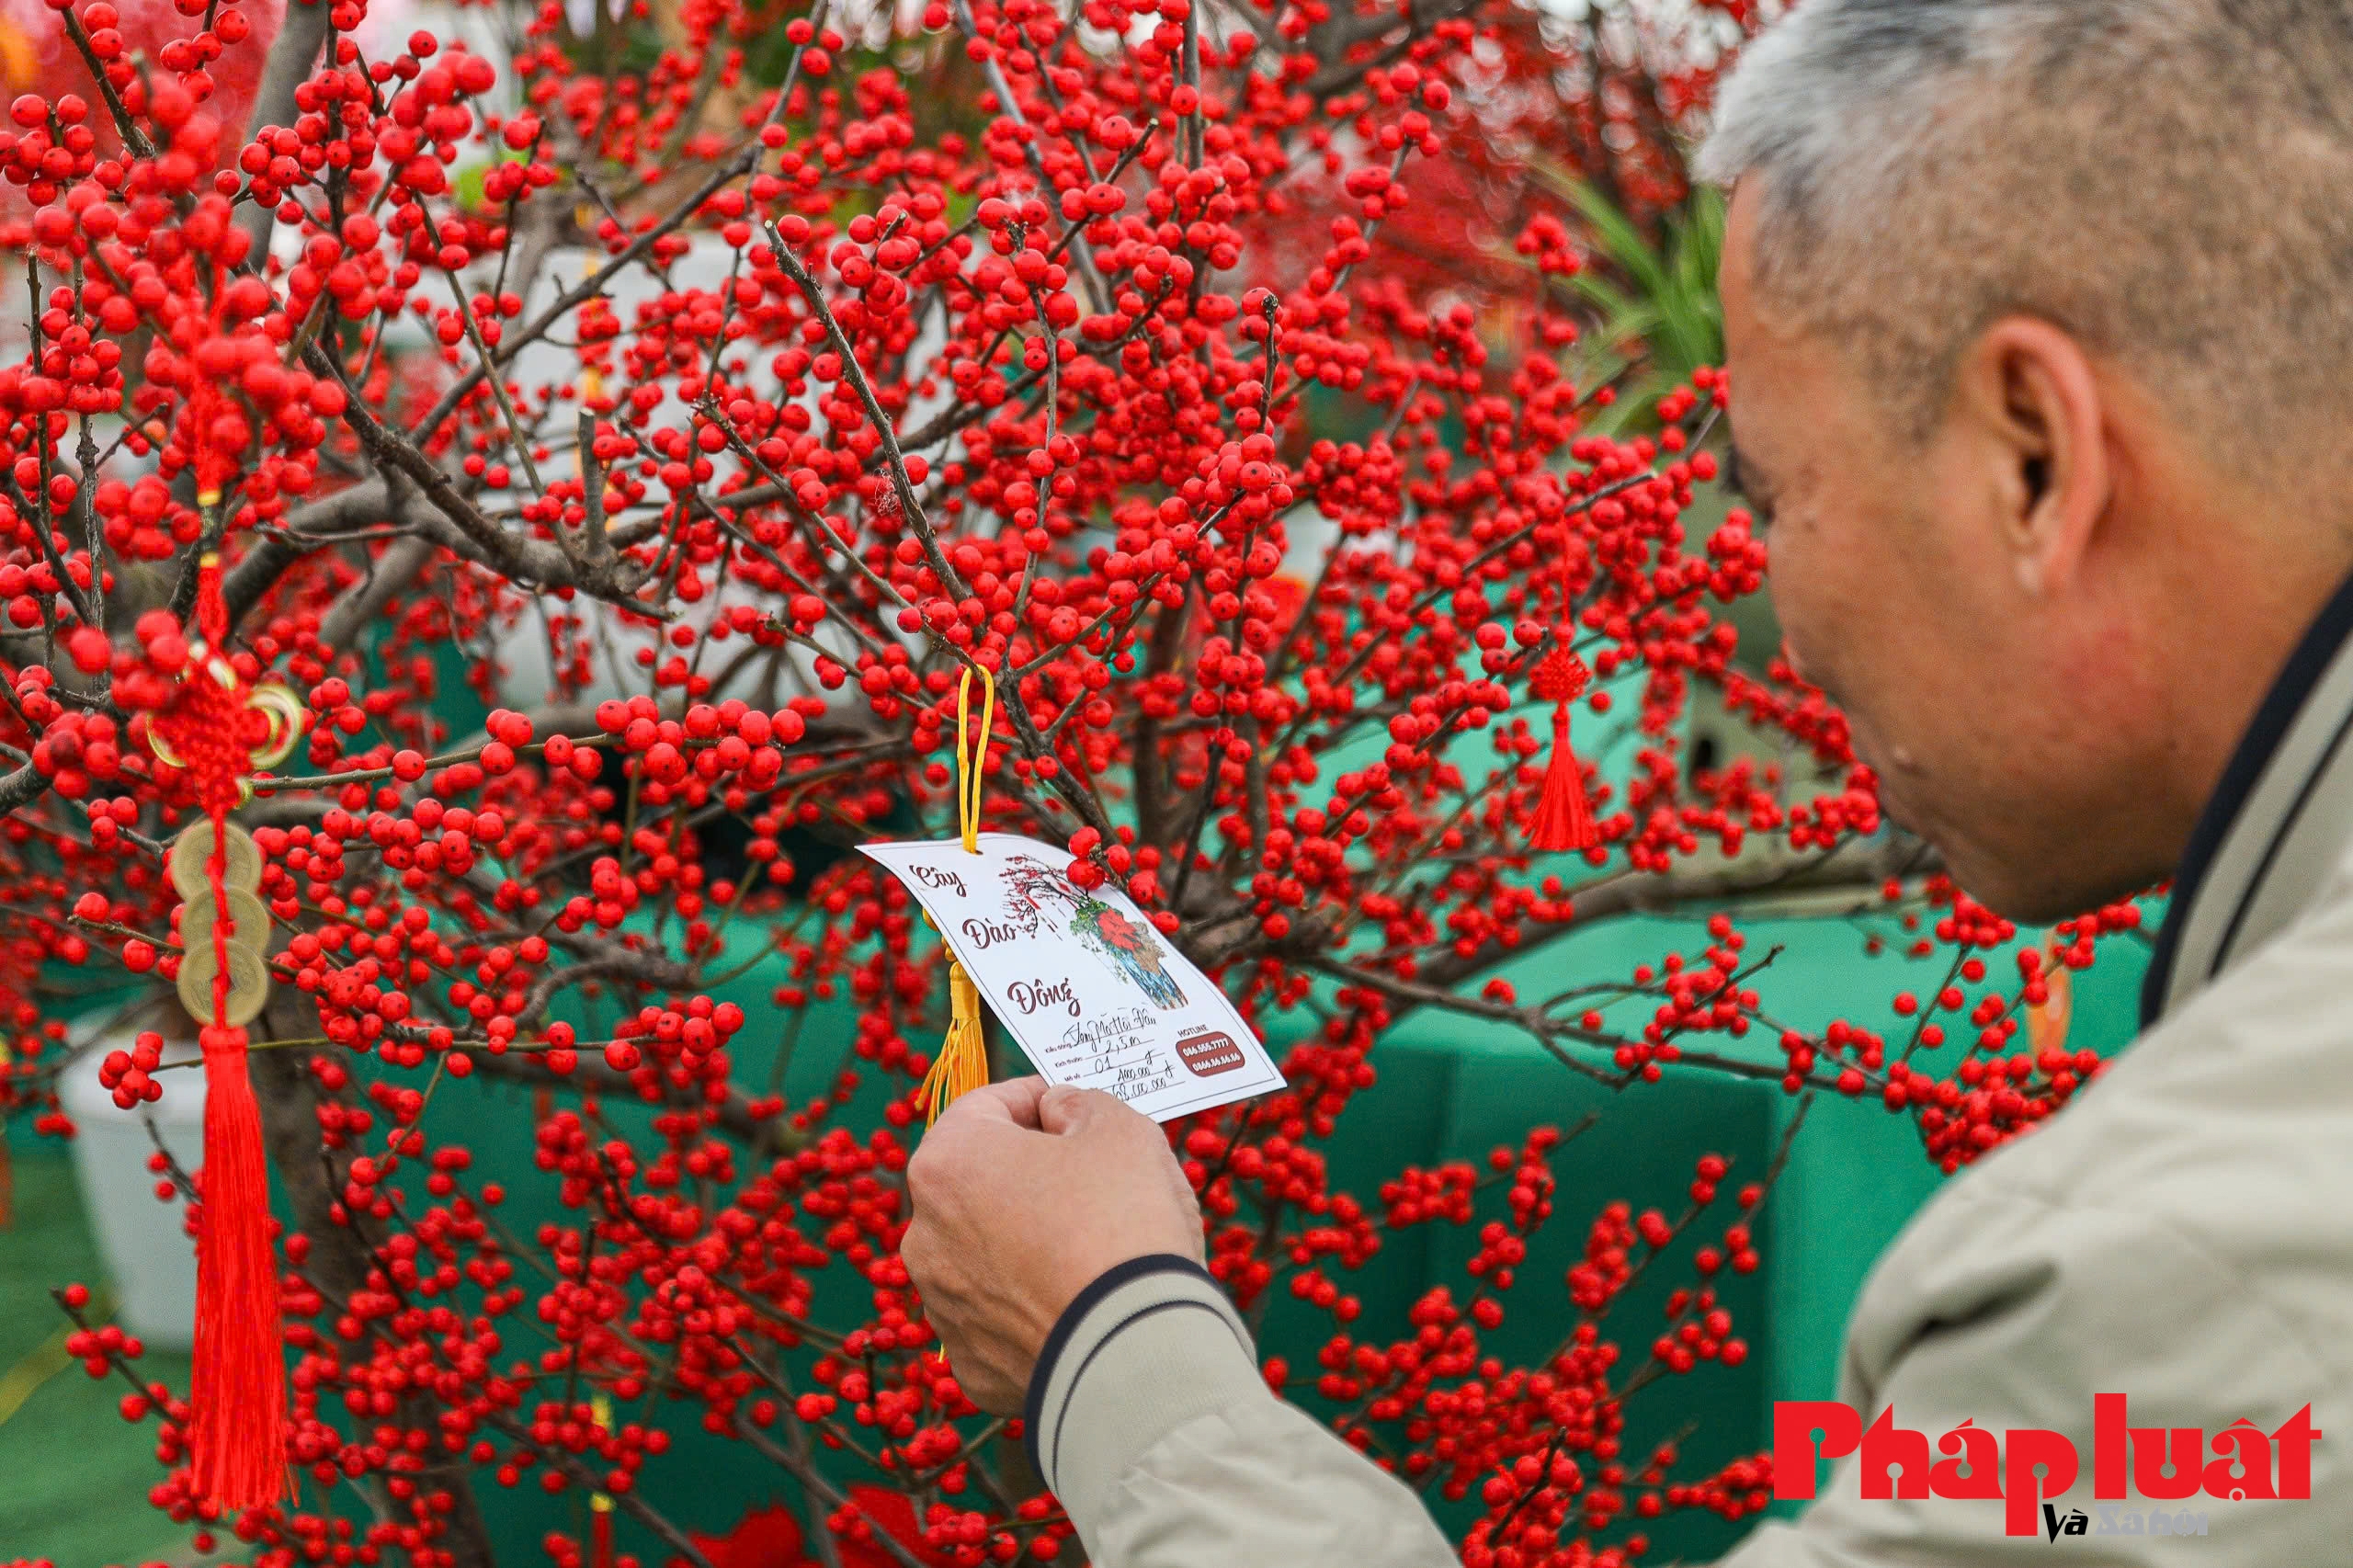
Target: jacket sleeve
{"points": [[1148, 1417]]}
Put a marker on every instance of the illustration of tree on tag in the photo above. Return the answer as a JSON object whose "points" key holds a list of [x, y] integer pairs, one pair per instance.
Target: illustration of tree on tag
{"points": [[1130, 948], [1127, 946]]}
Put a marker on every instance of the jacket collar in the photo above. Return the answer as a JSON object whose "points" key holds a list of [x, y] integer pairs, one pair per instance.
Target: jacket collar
{"points": [[2274, 829]]}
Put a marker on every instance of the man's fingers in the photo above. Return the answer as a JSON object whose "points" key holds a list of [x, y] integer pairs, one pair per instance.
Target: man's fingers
{"points": [[914, 1251], [943, 1160], [1014, 1100]]}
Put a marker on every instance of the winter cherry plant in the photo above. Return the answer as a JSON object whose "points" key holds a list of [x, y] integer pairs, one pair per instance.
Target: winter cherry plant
{"points": [[1208, 375]]}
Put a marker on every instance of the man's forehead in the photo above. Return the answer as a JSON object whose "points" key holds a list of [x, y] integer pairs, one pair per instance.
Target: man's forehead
{"points": [[1762, 317], [1739, 252], [1792, 388]]}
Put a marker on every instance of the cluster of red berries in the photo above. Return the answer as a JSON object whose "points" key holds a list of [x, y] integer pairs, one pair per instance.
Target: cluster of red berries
{"points": [[1178, 384]]}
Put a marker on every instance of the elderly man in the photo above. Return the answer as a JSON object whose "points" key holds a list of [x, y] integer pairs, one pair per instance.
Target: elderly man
{"points": [[2039, 315]]}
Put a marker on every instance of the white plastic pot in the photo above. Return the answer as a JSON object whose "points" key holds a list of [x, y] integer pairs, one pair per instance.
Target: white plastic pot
{"points": [[142, 1240]]}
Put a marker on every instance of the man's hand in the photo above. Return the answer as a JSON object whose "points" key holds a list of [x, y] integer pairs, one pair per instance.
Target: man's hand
{"points": [[1023, 1194]]}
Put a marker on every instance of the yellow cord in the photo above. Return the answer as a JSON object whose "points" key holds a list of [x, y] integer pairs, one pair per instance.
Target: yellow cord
{"points": [[969, 763], [962, 1063]]}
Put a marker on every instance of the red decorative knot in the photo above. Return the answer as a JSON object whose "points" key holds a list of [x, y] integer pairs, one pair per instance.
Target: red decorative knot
{"points": [[1559, 677], [218, 727]]}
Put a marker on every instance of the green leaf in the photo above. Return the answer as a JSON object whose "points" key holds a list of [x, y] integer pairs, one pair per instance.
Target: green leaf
{"points": [[1655, 306]]}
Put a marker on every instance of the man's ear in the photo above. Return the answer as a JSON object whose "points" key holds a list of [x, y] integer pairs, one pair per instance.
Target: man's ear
{"points": [[2035, 409]]}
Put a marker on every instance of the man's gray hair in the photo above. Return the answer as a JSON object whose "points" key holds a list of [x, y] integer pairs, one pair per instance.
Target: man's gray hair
{"points": [[2170, 180]]}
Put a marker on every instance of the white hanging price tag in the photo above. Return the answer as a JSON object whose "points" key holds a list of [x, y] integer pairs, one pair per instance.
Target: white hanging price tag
{"points": [[1097, 998]]}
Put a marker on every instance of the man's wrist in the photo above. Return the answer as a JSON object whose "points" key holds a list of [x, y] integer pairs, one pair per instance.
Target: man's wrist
{"points": [[1148, 1345]]}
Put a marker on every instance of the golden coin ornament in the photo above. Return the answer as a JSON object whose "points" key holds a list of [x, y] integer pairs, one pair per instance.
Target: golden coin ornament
{"points": [[248, 916], [248, 983], [248, 942], [193, 848]]}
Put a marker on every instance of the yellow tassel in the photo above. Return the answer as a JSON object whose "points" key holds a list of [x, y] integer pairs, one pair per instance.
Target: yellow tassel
{"points": [[962, 1063]]}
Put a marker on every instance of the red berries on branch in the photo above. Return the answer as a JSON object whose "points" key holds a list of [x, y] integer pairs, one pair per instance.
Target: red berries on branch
{"points": [[620, 449]]}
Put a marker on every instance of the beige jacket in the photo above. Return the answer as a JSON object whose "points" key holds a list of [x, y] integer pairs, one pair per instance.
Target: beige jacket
{"points": [[2181, 1236]]}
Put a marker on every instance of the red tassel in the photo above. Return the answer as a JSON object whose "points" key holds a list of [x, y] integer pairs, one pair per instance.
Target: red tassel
{"points": [[600, 1531], [600, 1507], [238, 1387], [1564, 818]]}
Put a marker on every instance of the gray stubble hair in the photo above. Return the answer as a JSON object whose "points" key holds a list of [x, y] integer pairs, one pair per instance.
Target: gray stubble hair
{"points": [[2169, 180]]}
